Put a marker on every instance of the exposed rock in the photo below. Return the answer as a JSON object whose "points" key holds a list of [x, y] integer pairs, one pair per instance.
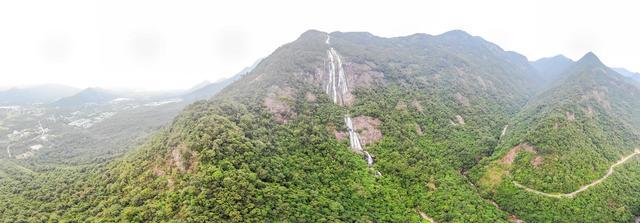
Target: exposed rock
{"points": [[431, 185], [515, 219], [481, 82], [570, 116], [277, 102], [25, 155], [310, 97], [462, 99], [157, 171], [340, 135], [176, 159], [401, 106], [537, 161], [459, 120], [363, 75], [589, 111], [600, 96], [368, 129], [182, 158], [179, 160], [419, 129], [418, 106], [511, 155]]}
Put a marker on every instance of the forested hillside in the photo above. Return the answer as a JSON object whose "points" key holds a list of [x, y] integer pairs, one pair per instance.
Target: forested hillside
{"points": [[566, 138], [351, 127]]}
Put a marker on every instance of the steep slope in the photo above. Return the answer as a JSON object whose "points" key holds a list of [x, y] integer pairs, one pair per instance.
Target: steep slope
{"points": [[35, 94], [87, 96], [564, 144], [331, 127]]}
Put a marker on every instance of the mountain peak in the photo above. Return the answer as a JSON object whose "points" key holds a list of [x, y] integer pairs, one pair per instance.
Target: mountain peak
{"points": [[590, 58], [312, 32], [457, 33], [561, 57]]}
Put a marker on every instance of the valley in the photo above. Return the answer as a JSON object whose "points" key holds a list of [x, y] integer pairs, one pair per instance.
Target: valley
{"points": [[338, 127], [319, 111], [84, 134]]}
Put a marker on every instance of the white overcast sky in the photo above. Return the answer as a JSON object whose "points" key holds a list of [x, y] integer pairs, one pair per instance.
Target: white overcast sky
{"points": [[176, 44]]}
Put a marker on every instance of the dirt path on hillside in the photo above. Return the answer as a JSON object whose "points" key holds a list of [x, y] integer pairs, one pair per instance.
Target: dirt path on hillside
{"points": [[425, 216], [583, 188]]}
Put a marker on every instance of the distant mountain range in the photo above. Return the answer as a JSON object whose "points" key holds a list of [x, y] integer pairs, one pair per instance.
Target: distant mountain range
{"points": [[551, 68], [627, 73], [35, 94], [61, 95], [206, 89], [87, 96]]}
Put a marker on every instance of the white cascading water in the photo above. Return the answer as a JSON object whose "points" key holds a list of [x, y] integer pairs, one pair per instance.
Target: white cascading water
{"points": [[337, 91], [504, 131], [331, 84]]}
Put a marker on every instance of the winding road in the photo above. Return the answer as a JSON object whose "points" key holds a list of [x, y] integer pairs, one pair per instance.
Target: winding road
{"points": [[583, 188], [425, 216]]}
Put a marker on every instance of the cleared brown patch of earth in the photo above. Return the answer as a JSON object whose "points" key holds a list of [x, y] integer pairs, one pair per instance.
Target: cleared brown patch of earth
{"points": [[418, 106], [419, 130], [361, 75], [310, 97], [462, 99], [277, 103], [511, 155], [537, 161], [570, 116], [368, 130], [182, 158], [459, 120]]}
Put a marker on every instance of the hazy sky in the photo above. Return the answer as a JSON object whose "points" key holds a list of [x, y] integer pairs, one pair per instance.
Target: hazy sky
{"points": [[175, 44]]}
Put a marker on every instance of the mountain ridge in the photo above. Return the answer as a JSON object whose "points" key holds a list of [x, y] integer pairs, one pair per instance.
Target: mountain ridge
{"points": [[351, 127]]}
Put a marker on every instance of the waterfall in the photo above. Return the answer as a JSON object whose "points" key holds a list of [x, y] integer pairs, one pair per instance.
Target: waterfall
{"points": [[337, 91]]}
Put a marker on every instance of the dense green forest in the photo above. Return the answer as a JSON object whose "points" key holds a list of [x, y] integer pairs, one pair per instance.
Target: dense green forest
{"points": [[272, 146]]}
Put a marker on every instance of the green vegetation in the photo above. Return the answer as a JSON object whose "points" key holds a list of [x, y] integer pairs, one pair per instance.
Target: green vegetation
{"points": [[268, 147], [578, 129]]}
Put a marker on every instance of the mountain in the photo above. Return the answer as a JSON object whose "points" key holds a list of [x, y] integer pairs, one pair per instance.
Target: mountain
{"points": [[551, 68], [206, 90], [87, 96], [564, 139], [624, 72], [330, 127], [199, 85], [35, 94], [352, 127]]}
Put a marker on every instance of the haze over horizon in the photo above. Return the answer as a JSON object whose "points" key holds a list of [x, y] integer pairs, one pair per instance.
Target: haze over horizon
{"points": [[156, 45]]}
